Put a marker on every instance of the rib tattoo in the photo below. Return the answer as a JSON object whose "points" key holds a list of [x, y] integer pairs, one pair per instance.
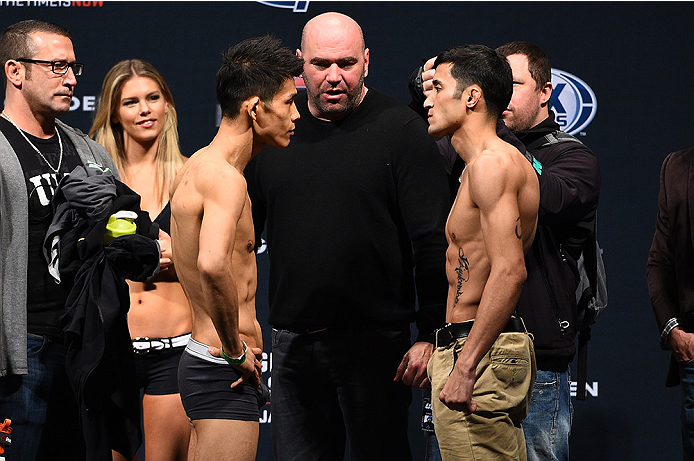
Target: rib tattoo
{"points": [[463, 271]]}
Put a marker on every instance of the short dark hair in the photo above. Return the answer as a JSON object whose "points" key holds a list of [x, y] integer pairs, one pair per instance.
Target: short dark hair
{"points": [[15, 42], [482, 66], [255, 67], [538, 62]]}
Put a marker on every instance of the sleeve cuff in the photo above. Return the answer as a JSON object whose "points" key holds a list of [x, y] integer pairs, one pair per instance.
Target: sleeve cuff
{"points": [[430, 319], [665, 334]]}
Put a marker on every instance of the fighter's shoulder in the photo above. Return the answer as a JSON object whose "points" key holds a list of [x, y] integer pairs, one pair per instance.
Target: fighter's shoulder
{"points": [[500, 165], [219, 175], [500, 154], [208, 173]]}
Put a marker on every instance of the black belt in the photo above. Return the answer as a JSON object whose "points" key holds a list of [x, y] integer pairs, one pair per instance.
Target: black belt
{"points": [[446, 335], [303, 331]]}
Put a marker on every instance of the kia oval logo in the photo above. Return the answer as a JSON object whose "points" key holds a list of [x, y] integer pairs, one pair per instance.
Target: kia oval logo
{"points": [[573, 102]]}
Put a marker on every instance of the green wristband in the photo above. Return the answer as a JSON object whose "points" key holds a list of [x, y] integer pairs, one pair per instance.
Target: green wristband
{"points": [[239, 360]]}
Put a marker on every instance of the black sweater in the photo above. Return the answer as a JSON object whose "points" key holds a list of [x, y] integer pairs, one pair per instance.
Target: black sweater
{"points": [[351, 207]]}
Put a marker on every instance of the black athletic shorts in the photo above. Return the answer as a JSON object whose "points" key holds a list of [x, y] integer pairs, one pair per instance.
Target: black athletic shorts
{"points": [[157, 371], [204, 380]]}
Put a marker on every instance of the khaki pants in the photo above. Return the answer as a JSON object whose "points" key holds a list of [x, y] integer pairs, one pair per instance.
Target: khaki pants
{"points": [[503, 388]]}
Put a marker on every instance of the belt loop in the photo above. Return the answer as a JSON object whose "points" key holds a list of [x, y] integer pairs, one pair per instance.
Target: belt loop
{"points": [[525, 329]]}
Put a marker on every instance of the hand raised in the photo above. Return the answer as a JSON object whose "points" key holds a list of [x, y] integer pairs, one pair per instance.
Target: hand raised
{"points": [[428, 76]]}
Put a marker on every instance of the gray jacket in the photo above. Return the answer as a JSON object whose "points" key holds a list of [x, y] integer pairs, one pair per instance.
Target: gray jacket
{"points": [[14, 235]]}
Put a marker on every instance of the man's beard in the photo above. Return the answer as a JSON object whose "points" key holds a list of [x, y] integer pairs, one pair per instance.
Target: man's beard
{"points": [[523, 121], [352, 101]]}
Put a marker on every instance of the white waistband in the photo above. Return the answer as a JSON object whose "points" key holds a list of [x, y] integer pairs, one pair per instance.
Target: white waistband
{"points": [[160, 343], [200, 350]]}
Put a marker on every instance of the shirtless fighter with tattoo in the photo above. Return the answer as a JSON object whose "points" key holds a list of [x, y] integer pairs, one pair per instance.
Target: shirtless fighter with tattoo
{"points": [[483, 365], [213, 240]]}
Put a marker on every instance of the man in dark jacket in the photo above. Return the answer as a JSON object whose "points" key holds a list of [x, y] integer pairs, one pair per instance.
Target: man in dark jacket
{"points": [[569, 193], [569, 177], [670, 277]]}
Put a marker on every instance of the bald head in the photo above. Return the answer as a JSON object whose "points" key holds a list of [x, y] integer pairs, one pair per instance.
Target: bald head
{"points": [[335, 64], [329, 27]]}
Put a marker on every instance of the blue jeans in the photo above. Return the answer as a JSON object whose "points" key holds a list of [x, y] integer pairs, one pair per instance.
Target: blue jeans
{"points": [[42, 407], [548, 424], [335, 385], [687, 415], [432, 451]]}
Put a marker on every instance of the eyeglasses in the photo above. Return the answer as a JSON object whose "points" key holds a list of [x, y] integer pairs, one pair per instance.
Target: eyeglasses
{"points": [[58, 67]]}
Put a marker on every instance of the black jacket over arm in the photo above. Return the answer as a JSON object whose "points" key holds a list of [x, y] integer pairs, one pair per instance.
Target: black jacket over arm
{"points": [[99, 357]]}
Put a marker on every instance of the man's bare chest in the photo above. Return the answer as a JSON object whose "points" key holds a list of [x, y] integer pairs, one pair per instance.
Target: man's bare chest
{"points": [[463, 224]]}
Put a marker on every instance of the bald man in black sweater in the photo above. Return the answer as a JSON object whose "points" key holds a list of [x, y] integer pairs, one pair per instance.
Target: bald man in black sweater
{"points": [[355, 211]]}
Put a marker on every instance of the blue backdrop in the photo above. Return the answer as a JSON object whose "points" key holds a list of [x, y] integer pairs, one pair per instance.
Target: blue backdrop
{"points": [[636, 58]]}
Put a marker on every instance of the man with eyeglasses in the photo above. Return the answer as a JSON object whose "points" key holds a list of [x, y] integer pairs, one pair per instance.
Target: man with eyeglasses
{"points": [[36, 150], [57, 67]]}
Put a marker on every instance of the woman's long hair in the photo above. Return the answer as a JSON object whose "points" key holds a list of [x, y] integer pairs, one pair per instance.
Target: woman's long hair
{"points": [[110, 135]]}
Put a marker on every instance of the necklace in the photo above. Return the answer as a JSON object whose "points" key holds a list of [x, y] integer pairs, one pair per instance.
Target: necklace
{"points": [[60, 143]]}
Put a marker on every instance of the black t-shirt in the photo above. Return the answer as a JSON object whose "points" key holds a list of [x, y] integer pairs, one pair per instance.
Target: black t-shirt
{"points": [[45, 298]]}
